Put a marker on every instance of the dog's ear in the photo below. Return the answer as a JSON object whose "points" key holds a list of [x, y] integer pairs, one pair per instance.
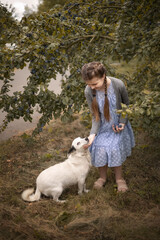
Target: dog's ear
{"points": [[72, 149]]}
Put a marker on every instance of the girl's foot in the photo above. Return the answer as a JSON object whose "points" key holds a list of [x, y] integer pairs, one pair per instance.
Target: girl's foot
{"points": [[122, 186], [99, 183]]}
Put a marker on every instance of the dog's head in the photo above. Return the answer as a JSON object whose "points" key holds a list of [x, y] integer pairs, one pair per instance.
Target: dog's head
{"points": [[77, 144]]}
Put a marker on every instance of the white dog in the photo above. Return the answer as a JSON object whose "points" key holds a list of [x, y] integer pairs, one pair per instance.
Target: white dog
{"points": [[53, 180]]}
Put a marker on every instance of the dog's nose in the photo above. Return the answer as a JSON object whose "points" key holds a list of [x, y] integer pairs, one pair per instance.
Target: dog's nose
{"points": [[86, 139]]}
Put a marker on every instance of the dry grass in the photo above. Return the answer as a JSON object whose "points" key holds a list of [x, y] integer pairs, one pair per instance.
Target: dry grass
{"points": [[98, 215]]}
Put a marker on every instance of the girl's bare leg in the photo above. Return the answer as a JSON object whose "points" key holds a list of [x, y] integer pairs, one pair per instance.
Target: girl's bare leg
{"points": [[103, 175], [118, 173], [103, 172], [121, 183]]}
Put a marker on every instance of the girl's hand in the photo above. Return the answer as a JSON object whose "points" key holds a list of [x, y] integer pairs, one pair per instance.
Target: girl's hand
{"points": [[91, 139], [118, 128]]}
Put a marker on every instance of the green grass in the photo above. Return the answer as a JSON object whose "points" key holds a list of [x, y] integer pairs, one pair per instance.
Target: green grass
{"points": [[103, 214]]}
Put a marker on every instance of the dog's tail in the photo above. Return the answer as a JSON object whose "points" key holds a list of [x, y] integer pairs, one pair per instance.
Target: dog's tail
{"points": [[29, 196]]}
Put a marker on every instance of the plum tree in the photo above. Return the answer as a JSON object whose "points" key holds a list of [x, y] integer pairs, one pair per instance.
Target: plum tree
{"points": [[68, 36]]}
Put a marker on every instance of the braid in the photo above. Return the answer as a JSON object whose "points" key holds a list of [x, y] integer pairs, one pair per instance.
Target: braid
{"points": [[105, 87], [95, 108], [94, 93], [106, 104]]}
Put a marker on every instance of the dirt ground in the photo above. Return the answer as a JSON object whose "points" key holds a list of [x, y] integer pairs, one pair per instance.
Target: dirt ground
{"points": [[97, 215]]}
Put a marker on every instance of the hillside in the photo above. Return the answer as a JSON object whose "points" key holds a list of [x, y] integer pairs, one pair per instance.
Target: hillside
{"points": [[97, 215]]}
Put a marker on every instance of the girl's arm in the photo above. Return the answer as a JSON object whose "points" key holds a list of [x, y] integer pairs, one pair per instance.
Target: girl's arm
{"points": [[124, 95], [91, 139], [125, 100]]}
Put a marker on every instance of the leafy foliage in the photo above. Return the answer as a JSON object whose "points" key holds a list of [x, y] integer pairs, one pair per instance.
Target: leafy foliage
{"points": [[46, 5], [68, 36], [7, 22]]}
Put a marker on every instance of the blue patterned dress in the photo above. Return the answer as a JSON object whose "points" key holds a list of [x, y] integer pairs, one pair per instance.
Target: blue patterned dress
{"points": [[110, 148]]}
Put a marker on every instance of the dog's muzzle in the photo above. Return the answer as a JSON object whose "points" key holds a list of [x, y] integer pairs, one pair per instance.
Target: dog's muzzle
{"points": [[87, 139]]}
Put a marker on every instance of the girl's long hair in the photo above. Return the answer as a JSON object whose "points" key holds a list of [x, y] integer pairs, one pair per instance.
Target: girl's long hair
{"points": [[89, 71]]}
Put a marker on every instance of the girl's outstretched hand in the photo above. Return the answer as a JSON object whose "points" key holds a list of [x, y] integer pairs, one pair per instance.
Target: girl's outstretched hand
{"points": [[118, 128], [91, 139]]}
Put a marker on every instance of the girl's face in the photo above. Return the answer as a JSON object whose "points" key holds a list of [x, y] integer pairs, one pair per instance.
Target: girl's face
{"points": [[96, 83]]}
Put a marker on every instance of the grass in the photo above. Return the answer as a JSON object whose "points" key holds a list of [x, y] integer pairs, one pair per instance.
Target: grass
{"points": [[98, 215]]}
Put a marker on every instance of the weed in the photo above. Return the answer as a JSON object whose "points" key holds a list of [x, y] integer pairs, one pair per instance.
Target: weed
{"points": [[28, 140], [47, 157]]}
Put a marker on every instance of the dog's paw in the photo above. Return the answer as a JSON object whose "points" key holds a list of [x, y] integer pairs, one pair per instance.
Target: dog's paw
{"points": [[86, 190], [61, 201], [80, 192]]}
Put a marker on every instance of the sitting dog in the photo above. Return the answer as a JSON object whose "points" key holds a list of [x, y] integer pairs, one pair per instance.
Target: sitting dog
{"points": [[53, 180]]}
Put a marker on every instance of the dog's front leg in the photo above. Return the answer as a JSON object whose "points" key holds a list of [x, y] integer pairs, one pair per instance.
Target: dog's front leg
{"points": [[80, 187], [85, 190]]}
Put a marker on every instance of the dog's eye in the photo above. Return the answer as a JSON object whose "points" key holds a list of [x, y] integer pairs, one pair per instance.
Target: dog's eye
{"points": [[78, 143]]}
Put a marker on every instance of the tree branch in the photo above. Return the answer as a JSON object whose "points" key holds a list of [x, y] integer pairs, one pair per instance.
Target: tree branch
{"points": [[94, 5], [84, 37]]}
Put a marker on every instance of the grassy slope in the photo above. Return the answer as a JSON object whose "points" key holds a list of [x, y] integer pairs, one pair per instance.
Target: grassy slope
{"points": [[98, 215]]}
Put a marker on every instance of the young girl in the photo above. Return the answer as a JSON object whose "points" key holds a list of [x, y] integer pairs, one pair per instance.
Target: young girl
{"points": [[111, 136]]}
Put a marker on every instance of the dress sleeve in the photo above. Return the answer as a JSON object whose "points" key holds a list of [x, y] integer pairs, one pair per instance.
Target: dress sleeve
{"points": [[125, 100], [124, 95], [95, 124]]}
